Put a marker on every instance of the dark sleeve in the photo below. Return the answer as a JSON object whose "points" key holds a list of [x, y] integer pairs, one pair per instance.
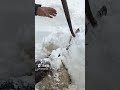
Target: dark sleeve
{"points": [[36, 7]]}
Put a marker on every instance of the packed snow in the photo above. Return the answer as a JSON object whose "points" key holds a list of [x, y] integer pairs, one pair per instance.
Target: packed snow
{"points": [[52, 37]]}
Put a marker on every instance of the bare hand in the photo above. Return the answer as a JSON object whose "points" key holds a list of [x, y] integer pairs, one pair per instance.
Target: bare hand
{"points": [[46, 11]]}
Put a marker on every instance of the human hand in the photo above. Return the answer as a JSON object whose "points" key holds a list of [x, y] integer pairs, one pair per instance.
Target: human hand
{"points": [[46, 11]]}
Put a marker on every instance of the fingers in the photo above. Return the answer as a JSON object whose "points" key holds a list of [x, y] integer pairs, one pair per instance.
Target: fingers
{"points": [[52, 12], [50, 16], [52, 9], [48, 12]]}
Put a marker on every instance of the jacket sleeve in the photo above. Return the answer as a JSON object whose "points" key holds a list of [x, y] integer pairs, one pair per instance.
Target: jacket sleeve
{"points": [[36, 7]]}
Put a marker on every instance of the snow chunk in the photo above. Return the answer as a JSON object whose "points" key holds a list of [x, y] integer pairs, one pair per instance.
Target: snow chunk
{"points": [[52, 42], [56, 40]]}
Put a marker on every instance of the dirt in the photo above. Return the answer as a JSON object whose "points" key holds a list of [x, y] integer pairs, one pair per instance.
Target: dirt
{"points": [[58, 81]]}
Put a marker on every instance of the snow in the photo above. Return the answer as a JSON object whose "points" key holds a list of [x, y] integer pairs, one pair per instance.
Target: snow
{"points": [[77, 14], [52, 37]]}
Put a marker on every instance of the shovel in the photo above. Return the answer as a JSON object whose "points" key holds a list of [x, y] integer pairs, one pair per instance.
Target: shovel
{"points": [[67, 14]]}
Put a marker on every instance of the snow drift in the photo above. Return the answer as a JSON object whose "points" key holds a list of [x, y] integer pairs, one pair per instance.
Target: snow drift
{"points": [[52, 41]]}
